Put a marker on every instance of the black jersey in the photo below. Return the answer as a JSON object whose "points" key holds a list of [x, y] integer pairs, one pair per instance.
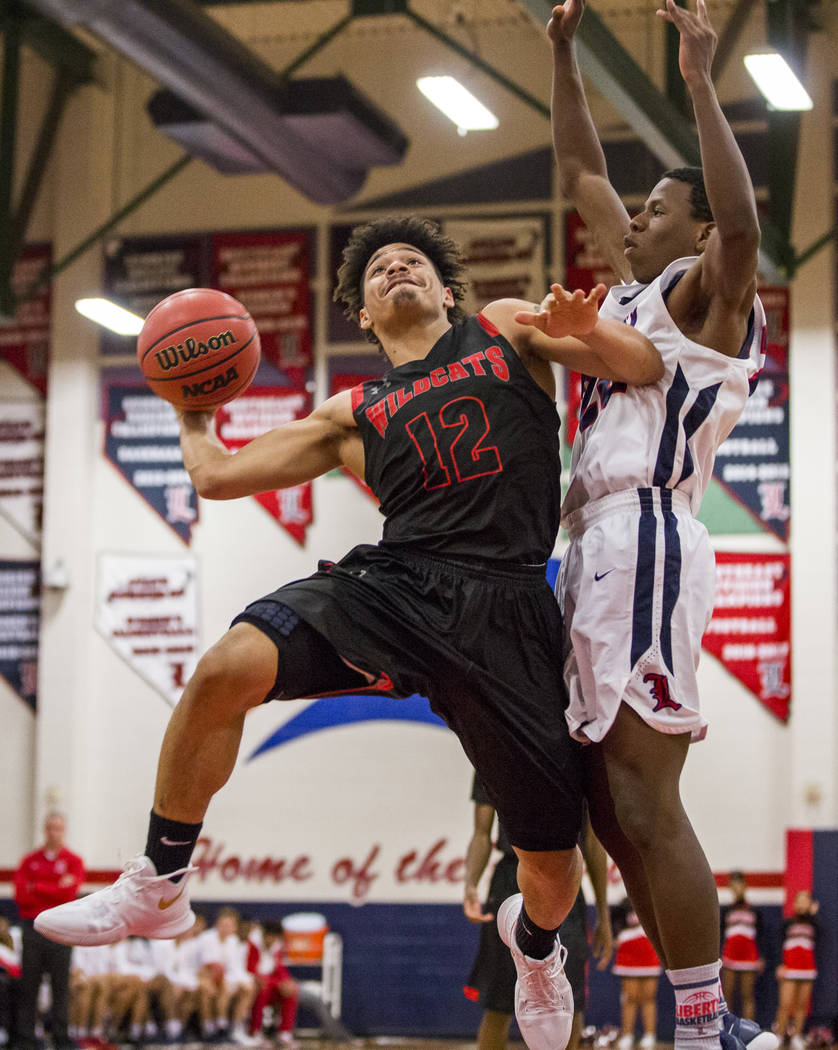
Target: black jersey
{"points": [[462, 450]]}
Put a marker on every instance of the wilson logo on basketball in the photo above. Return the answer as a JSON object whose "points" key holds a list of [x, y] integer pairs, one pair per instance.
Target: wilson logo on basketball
{"points": [[218, 382], [190, 349]]}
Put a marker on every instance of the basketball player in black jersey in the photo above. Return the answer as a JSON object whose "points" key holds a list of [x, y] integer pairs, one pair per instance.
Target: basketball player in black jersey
{"points": [[459, 443]]}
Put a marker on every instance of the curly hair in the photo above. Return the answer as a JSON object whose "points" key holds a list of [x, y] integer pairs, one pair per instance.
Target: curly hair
{"points": [[694, 177], [422, 234]]}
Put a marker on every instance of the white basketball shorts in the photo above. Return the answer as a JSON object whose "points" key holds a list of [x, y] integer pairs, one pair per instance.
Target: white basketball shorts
{"points": [[636, 588]]}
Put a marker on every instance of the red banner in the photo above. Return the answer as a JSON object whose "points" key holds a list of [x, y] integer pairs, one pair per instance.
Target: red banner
{"points": [[585, 267], [750, 632], [269, 273], [24, 344], [253, 413]]}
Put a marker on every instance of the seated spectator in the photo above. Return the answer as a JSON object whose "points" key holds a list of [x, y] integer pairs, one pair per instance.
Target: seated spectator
{"points": [[133, 969], [174, 987], [91, 985], [276, 987], [225, 989]]}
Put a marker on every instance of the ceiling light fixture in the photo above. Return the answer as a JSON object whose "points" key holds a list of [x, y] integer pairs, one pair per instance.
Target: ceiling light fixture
{"points": [[777, 82], [109, 315], [457, 103]]}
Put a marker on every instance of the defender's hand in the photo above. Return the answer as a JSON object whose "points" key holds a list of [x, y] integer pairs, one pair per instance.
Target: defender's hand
{"points": [[698, 39], [565, 313], [564, 20], [474, 909]]}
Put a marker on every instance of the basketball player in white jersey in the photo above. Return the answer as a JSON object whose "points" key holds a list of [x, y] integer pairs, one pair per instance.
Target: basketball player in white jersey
{"points": [[637, 582]]}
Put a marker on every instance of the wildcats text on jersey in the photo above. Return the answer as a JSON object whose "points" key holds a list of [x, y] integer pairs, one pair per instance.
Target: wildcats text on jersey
{"points": [[380, 413]]}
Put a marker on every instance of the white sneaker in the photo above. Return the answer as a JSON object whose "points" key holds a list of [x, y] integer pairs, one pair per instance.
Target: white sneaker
{"points": [[625, 1042], [649, 1041], [543, 999], [242, 1037], [140, 902]]}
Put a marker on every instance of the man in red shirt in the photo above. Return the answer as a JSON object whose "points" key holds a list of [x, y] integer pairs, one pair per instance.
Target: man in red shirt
{"points": [[45, 878]]}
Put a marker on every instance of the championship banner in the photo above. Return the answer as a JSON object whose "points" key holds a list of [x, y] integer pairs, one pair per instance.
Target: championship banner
{"points": [[504, 259], [750, 632], [252, 413], [585, 265], [20, 621], [753, 464], [269, 273], [147, 611], [339, 381], [22, 466], [142, 441], [24, 344], [140, 271]]}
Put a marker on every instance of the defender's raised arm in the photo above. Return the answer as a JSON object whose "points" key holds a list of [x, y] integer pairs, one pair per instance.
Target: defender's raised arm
{"points": [[579, 155], [730, 258]]}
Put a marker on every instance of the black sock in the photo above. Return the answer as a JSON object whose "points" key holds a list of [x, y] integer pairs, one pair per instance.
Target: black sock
{"points": [[170, 843], [533, 941]]}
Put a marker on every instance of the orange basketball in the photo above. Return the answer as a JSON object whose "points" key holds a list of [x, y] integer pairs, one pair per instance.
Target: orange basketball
{"points": [[198, 348]]}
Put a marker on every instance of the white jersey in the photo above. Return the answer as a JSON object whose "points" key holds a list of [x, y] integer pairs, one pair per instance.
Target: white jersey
{"points": [[132, 958], [230, 953], [92, 960], [666, 434]]}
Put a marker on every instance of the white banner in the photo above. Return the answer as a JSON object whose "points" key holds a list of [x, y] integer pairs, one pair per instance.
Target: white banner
{"points": [[22, 466], [146, 608], [504, 259]]}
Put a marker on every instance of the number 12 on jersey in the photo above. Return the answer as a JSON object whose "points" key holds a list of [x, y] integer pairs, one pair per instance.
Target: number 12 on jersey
{"points": [[452, 446]]}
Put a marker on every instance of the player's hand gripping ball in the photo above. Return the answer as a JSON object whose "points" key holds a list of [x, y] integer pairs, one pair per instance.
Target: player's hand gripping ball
{"points": [[198, 348]]}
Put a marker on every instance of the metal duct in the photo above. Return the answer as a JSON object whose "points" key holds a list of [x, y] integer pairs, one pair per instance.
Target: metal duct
{"points": [[241, 99]]}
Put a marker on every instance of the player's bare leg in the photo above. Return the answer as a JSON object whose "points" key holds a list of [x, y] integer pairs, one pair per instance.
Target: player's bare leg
{"points": [[204, 733], [642, 770], [493, 1033], [637, 814], [198, 755]]}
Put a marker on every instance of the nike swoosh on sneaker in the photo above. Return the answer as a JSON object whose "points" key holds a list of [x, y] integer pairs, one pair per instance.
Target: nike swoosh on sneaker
{"points": [[601, 575], [163, 905], [169, 842]]}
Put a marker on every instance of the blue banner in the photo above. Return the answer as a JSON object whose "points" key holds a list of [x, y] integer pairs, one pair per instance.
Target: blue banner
{"points": [[20, 621], [753, 464], [142, 442]]}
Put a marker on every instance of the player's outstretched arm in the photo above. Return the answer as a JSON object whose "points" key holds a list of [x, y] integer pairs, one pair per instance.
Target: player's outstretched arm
{"points": [[566, 328], [729, 262], [285, 456], [579, 155]]}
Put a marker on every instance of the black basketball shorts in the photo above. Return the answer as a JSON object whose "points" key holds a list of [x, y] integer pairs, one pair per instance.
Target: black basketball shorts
{"points": [[480, 641]]}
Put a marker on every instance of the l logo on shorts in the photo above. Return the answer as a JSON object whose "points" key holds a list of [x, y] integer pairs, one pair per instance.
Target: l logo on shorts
{"points": [[601, 575], [659, 688]]}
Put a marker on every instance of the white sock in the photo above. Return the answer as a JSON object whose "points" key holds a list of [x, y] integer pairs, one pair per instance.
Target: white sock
{"points": [[697, 1001]]}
